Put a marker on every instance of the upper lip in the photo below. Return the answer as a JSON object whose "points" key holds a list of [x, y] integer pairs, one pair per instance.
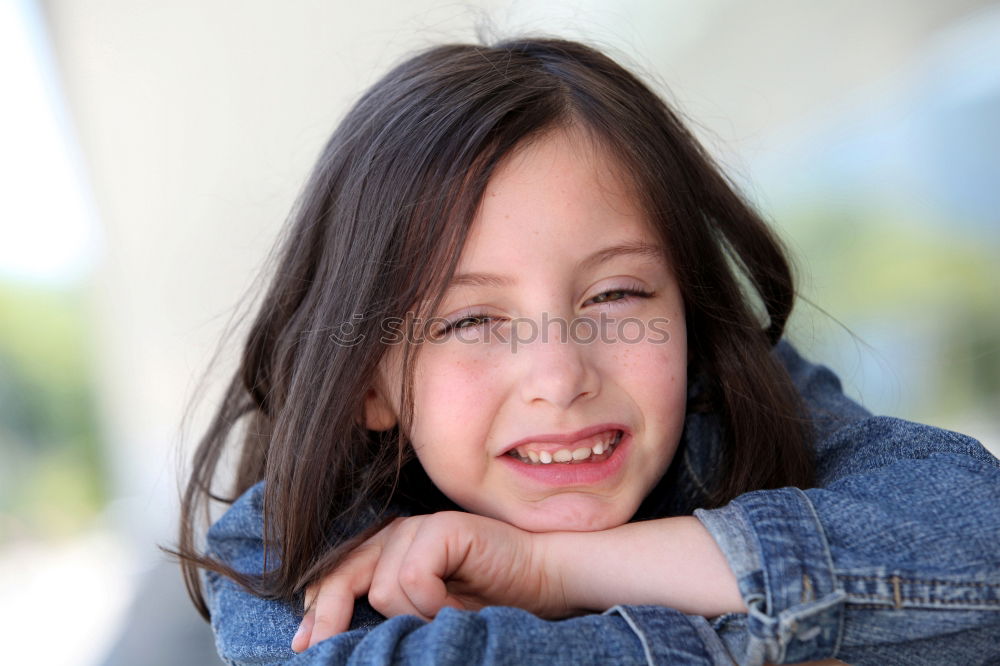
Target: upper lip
{"points": [[567, 438]]}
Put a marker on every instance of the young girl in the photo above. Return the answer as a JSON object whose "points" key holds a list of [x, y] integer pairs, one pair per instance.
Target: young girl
{"points": [[518, 384]]}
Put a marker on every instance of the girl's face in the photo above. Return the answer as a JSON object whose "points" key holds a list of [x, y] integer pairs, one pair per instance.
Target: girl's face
{"points": [[551, 392]]}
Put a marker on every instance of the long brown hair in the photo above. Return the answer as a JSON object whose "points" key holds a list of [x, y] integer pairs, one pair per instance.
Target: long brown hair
{"points": [[379, 227]]}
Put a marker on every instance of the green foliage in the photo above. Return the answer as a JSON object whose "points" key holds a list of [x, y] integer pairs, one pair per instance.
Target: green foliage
{"points": [[936, 287], [52, 479]]}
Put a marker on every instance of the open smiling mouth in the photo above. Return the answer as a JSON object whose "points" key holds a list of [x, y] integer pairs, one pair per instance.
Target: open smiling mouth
{"points": [[592, 450]]}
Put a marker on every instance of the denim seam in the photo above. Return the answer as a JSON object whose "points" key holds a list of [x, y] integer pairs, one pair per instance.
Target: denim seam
{"points": [[838, 641], [635, 628], [792, 499], [912, 602], [750, 596], [888, 605], [921, 581], [915, 602], [925, 598], [708, 635]]}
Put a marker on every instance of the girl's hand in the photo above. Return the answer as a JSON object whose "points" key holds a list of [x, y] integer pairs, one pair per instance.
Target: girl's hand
{"points": [[419, 565]]}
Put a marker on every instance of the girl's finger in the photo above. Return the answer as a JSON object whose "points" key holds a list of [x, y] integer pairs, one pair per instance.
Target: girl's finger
{"points": [[300, 641], [334, 609], [429, 561], [386, 595], [302, 637], [333, 605]]}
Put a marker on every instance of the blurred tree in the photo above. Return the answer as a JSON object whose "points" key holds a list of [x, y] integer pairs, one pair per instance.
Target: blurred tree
{"points": [[53, 479]]}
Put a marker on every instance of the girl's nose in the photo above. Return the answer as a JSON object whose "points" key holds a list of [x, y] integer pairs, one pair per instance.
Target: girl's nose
{"points": [[557, 369]]}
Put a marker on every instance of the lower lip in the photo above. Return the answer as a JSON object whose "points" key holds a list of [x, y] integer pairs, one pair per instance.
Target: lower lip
{"points": [[576, 474]]}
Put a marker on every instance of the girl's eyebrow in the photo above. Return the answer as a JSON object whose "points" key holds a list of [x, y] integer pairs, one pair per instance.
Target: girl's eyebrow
{"points": [[640, 248]]}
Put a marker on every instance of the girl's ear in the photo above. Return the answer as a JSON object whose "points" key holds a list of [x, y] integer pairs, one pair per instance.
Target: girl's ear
{"points": [[379, 414]]}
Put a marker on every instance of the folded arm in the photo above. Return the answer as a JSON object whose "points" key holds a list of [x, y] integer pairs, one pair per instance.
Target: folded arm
{"points": [[252, 630]]}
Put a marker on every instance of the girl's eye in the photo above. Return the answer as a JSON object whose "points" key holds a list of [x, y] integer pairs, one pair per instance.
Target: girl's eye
{"points": [[471, 320], [610, 296], [620, 295], [465, 322]]}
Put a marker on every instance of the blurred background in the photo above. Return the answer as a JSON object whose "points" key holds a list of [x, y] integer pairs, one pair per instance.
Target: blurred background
{"points": [[150, 151]]}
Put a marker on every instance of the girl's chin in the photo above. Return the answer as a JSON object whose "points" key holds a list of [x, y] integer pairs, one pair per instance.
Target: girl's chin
{"points": [[568, 517]]}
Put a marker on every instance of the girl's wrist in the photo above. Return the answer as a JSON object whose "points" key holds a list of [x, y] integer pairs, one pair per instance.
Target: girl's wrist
{"points": [[670, 562]]}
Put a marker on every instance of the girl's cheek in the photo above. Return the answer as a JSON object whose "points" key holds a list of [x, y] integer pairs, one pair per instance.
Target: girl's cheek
{"points": [[646, 353], [452, 379]]}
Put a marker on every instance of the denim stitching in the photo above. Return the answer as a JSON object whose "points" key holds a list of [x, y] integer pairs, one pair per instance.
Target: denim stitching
{"points": [[635, 628], [921, 581]]}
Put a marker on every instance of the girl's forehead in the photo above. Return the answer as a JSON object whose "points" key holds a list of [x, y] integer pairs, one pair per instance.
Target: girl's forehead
{"points": [[566, 152], [560, 192]]}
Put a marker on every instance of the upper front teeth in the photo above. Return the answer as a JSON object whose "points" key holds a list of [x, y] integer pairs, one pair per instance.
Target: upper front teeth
{"points": [[567, 455]]}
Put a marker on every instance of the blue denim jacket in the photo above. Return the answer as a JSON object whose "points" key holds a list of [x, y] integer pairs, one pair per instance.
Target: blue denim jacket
{"points": [[894, 558]]}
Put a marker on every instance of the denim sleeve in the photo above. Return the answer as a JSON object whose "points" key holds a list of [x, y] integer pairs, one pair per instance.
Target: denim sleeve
{"points": [[252, 630], [513, 637], [894, 559]]}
